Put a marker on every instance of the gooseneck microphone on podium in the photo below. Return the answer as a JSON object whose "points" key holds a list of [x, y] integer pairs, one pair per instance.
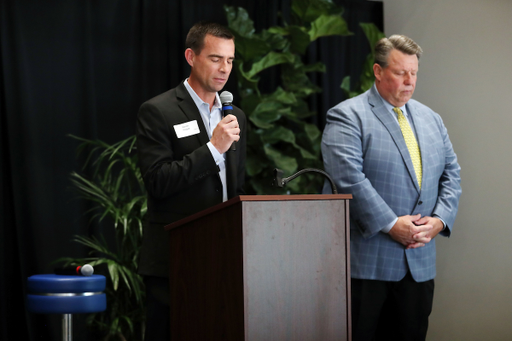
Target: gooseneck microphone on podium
{"points": [[226, 98], [280, 181], [85, 270]]}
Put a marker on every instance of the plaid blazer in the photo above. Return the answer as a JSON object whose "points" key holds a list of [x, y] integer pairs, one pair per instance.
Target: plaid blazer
{"points": [[365, 153]]}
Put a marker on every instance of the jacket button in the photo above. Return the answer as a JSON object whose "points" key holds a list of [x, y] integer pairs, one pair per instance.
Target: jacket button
{"points": [[420, 202]]}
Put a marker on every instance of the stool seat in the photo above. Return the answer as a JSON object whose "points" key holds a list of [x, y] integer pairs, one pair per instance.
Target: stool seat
{"points": [[62, 294]]}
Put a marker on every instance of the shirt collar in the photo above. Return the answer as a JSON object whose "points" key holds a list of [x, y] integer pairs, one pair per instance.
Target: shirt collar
{"points": [[389, 106], [198, 101]]}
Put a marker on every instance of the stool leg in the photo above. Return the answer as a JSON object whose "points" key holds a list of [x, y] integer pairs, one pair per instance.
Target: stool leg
{"points": [[67, 327]]}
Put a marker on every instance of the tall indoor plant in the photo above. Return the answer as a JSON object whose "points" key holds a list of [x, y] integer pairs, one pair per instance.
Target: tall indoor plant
{"points": [[279, 134], [116, 190]]}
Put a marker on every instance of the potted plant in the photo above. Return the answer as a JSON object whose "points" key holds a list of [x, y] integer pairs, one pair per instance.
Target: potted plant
{"points": [[116, 189]]}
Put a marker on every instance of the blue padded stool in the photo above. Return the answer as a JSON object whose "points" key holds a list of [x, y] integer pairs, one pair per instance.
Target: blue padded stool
{"points": [[62, 294]]}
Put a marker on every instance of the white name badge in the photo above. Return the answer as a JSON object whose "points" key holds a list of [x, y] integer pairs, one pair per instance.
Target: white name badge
{"points": [[186, 129]]}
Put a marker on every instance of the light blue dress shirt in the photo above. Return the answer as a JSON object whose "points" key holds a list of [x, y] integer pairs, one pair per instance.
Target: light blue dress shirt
{"points": [[210, 120]]}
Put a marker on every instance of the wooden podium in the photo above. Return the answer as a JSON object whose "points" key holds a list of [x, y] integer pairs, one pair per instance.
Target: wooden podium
{"points": [[262, 268]]}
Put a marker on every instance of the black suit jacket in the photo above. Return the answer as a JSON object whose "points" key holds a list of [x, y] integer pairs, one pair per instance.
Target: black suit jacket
{"points": [[180, 174]]}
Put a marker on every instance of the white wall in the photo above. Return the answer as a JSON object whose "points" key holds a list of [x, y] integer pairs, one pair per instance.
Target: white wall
{"points": [[465, 75]]}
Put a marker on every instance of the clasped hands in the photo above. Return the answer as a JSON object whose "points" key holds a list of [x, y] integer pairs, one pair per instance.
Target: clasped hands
{"points": [[414, 231], [226, 132]]}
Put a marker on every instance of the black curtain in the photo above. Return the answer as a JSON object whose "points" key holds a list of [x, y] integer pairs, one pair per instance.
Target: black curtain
{"points": [[84, 67]]}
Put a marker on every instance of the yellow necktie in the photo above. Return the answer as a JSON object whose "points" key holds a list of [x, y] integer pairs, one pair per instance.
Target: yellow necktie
{"points": [[411, 143]]}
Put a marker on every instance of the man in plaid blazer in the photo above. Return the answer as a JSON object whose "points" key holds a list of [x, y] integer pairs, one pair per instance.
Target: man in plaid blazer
{"points": [[396, 212]]}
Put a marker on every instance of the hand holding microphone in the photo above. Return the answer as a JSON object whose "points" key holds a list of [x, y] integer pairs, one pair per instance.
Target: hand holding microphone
{"points": [[227, 131], [226, 98]]}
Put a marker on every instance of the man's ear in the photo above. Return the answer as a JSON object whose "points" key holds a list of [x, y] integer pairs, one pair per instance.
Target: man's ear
{"points": [[377, 70], [189, 56]]}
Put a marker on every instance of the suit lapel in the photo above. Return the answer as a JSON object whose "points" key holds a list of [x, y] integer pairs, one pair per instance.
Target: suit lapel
{"points": [[189, 108], [380, 110]]}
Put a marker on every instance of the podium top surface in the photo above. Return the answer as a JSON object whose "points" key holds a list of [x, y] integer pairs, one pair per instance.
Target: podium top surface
{"points": [[300, 197], [248, 198]]}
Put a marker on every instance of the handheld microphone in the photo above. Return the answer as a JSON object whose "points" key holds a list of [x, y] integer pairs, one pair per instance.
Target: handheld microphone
{"points": [[85, 270], [226, 98]]}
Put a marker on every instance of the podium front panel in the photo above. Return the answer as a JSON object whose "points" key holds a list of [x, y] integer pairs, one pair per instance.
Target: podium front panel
{"points": [[295, 274], [206, 289]]}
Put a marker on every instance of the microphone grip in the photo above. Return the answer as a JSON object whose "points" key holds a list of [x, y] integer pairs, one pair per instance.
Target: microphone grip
{"points": [[227, 109], [85, 270]]}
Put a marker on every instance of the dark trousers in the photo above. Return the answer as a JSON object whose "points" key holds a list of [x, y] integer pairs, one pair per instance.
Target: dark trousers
{"points": [[395, 311], [157, 309]]}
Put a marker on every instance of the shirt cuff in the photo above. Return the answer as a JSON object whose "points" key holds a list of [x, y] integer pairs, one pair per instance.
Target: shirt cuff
{"points": [[444, 223], [218, 157], [388, 227]]}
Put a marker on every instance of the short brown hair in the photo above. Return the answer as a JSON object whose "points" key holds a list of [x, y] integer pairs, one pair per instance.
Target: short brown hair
{"points": [[195, 37], [399, 42]]}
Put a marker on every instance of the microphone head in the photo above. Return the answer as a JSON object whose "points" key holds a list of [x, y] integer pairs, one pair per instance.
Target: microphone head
{"points": [[226, 97], [87, 270]]}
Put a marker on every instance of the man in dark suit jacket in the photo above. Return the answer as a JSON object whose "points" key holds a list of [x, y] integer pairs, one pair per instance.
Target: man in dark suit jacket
{"points": [[183, 144]]}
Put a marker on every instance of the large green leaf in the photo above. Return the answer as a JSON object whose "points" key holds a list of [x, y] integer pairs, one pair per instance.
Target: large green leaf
{"points": [[317, 67], [282, 96], [312, 131], [296, 80], [284, 162], [260, 123], [251, 48], [268, 106], [309, 10], [245, 78], [265, 113], [239, 21], [271, 59], [299, 39], [367, 76], [275, 37], [328, 25], [278, 134], [372, 33], [299, 112]]}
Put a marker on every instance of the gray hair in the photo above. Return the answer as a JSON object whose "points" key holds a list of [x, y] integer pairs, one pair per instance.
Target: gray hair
{"points": [[395, 42]]}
